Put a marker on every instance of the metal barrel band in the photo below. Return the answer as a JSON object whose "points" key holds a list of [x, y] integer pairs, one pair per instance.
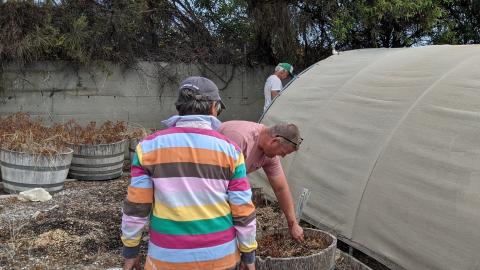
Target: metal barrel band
{"points": [[97, 157], [97, 165], [73, 171], [35, 168], [32, 185]]}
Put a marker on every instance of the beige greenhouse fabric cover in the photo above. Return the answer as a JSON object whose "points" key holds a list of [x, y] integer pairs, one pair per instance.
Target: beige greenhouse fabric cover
{"points": [[391, 151]]}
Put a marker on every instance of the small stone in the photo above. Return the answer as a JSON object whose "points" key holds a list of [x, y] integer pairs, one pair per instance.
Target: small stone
{"points": [[35, 195]]}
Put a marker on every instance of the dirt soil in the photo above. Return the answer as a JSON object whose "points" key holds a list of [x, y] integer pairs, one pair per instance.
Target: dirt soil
{"points": [[278, 245], [78, 229], [270, 218]]}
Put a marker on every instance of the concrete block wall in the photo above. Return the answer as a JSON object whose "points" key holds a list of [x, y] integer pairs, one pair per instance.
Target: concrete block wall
{"points": [[144, 94]]}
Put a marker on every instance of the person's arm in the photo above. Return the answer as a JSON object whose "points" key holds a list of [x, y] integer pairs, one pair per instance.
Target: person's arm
{"points": [[282, 192], [274, 93], [243, 212], [136, 211]]}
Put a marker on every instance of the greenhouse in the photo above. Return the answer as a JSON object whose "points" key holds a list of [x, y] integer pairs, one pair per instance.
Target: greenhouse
{"points": [[391, 152]]}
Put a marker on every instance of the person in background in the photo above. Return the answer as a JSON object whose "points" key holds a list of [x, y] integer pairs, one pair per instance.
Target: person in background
{"points": [[262, 146], [189, 181], [273, 85]]}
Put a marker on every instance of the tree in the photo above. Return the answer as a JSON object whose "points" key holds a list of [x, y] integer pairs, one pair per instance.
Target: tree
{"points": [[275, 37], [314, 27], [461, 25], [381, 23], [301, 32]]}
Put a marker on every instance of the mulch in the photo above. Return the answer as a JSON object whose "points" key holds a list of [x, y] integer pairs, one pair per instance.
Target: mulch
{"points": [[80, 229]]}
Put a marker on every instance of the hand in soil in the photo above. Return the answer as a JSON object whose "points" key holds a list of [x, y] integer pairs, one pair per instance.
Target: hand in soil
{"points": [[132, 264], [296, 232]]}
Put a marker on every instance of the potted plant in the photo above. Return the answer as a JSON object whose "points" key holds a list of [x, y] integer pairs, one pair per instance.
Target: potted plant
{"points": [[98, 152], [32, 155]]}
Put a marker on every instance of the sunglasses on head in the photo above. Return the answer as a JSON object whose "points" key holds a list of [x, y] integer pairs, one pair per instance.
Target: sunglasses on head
{"points": [[297, 144]]}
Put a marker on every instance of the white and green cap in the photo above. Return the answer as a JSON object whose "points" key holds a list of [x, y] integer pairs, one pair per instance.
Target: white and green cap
{"points": [[287, 67]]}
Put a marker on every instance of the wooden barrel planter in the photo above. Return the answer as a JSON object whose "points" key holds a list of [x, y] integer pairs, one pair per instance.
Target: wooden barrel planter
{"points": [[135, 133], [97, 162], [131, 147], [323, 259], [258, 197], [344, 261], [24, 171]]}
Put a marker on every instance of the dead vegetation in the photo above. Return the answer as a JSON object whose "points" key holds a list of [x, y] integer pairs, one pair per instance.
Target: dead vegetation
{"points": [[22, 133], [92, 134]]}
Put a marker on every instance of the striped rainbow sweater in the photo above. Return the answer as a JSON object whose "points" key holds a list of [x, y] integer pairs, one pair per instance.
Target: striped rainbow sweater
{"points": [[202, 217]]}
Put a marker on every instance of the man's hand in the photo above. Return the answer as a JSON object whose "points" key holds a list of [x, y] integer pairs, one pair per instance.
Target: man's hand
{"points": [[244, 266], [282, 192], [296, 232], [132, 264]]}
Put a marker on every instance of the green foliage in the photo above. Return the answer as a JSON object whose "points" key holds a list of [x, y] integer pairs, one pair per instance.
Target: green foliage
{"points": [[317, 25], [226, 31], [227, 20], [461, 23], [25, 32], [381, 23]]}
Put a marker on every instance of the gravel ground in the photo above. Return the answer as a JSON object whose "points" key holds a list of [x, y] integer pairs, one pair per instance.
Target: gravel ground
{"points": [[80, 228]]}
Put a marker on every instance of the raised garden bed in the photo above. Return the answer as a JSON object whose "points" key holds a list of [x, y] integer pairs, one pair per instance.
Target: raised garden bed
{"points": [[24, 171], [278, 251], [31, 154], [97, 162], [98, 150]]}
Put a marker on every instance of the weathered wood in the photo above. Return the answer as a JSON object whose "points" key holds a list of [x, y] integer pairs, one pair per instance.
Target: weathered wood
{"points": [[24, 171], [257, 197], [342, 258], [130, 148], [97, 162], [132, 128], [322, 260], [1, 184]]}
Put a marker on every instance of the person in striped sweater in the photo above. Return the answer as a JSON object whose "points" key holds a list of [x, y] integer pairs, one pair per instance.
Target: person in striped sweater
{"points": [[189, 182]]}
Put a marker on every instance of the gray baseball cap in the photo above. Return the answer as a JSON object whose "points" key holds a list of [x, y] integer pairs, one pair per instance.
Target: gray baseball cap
{"points": [[206, 89]]}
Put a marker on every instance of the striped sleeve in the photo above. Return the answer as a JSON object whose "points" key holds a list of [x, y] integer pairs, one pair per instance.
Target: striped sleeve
{"points": [[243, 210], [137, 206]]}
